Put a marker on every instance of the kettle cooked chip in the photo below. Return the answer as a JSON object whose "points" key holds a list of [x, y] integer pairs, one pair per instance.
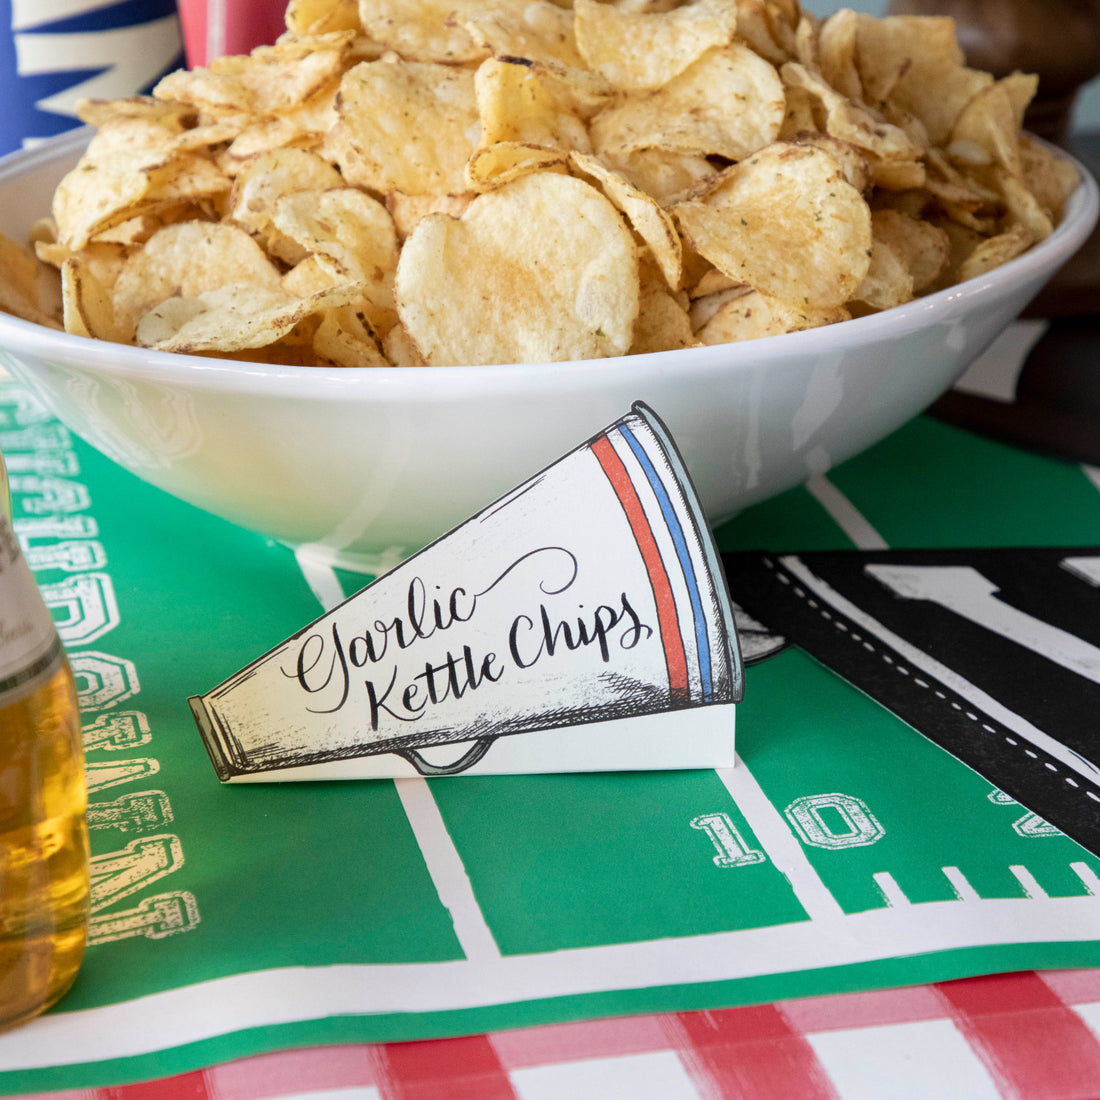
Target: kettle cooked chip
{"points": [[539, 270], [785, 222], [639, 50], [233, 317], [385, 107], [728, 103], [647, 217], [184, 260], [754, 315], [542, 31]]}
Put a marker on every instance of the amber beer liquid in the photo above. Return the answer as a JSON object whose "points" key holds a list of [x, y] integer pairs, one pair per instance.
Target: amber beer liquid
{"points": [[43, 832]]}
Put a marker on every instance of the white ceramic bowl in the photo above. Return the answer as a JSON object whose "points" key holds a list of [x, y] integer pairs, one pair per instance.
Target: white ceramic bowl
{"points": [[366, 466]]}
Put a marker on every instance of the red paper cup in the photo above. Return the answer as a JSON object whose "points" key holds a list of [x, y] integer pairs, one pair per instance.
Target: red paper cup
{"points": [[219, 28]]}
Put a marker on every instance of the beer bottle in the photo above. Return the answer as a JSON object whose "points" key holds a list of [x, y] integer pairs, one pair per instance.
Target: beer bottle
{"points": [[43, 831]]}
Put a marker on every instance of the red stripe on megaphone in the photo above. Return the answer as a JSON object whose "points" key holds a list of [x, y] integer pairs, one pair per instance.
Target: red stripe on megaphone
{"points": [[667, 617]]}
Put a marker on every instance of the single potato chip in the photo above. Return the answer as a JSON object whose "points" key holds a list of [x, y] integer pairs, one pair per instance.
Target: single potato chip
{"points": [[540, 270], [542, 31], [787, 223], [87, 303], [916, 63], [639, 50], [527, 122], [184, 260], [987, 129], [20, 275], [836, 46], [852, 122], [269, 79], [345, 338], [232, 318], [209, 136], [803, 115], [1049, 177], [805, 43], [1022, 207], [99, 194], [19, 270], [518, 101], [349, 230], [995, 251], [728, 103], [648, 219], [400, 350], [263, 181], [962, 241], [663, 323], [102, 112], [308, 277], [429, 30], [712, 282], [754, 315], [504, 161], [383, 108], [921, 246], [888, 281], [307, 17], [665, 175]]}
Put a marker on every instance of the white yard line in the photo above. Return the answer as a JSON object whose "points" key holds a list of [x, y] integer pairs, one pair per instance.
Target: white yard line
{"points": [[322, 580], [782, 846], [448, 873], [445, 866], [845, 514], [284, 995]]}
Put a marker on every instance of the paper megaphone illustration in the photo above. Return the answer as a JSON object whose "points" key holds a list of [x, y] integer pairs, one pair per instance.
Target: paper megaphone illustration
{"points": [[579, 623]]}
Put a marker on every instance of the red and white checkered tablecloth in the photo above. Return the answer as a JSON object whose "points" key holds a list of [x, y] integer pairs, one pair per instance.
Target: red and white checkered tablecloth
{"points": [[1027, 1036]]}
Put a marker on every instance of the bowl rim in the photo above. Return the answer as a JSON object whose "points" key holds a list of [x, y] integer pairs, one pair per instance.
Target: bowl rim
{"points": [[20, 337]]}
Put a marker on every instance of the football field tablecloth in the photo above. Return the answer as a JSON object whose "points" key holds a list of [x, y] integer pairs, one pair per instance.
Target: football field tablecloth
{"points": [[844, 853]]}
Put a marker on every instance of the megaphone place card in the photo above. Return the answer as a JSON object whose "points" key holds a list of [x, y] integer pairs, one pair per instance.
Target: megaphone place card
{"points": [[580, 623]]}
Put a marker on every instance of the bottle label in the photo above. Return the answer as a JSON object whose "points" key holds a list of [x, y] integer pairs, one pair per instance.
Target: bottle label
{"points": [[29, 645]]}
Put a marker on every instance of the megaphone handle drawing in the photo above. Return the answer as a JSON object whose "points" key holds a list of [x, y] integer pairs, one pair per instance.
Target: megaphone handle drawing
{"points": [[466, 760]]}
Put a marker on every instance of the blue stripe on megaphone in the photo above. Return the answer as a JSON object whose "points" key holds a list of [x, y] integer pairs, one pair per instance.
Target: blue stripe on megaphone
{"points": [[672, 520]]}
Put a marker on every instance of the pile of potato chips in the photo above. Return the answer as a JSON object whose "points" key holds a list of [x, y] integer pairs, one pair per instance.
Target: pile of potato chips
{"points": [[411, 182]]}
